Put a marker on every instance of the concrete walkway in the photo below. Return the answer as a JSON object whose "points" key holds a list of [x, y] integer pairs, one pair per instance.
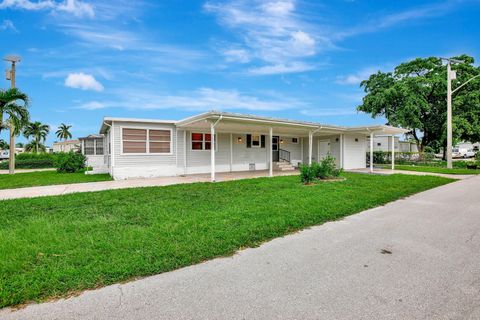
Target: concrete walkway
{"points": [[26, 170], [415, 258], [415, 173], [54, 190]]}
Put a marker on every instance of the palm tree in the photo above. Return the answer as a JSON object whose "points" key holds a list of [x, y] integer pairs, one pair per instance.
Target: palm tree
{"points": [[34, 146], [63, 132], [38, 132], [17, 115]]}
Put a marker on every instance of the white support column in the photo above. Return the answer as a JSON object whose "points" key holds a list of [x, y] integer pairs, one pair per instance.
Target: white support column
{"points": [[341, 151], [231, 152], [310, 147], [212, 152], [270, 167], [301, 149], [393, 152], [371, 152], [185, 152]]}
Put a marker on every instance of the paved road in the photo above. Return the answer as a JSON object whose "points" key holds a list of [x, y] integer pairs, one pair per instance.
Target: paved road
{"points": [[429, 269]]}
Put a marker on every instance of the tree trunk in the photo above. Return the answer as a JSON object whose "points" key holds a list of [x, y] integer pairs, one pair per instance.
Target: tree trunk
{"points": [[11, 159]]}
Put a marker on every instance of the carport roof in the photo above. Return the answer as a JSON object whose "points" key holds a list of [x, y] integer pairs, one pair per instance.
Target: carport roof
{"points": [[203, 121]]}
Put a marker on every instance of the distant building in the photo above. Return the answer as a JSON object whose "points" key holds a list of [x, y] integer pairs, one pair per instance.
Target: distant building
{"points": [[384, 143], [66, 146]]}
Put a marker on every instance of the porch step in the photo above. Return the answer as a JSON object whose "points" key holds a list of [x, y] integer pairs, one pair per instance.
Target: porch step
{"points": [[283, 166]]}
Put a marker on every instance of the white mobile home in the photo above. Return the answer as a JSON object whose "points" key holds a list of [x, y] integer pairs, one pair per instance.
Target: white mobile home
{"points": [[225, 142]]}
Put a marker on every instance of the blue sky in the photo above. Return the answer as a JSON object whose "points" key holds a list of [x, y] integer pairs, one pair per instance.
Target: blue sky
{"points": [[299, 59]]}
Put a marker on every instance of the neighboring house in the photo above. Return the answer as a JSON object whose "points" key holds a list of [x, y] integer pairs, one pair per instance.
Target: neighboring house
{"points": [[92, 147], [66, 146], [133, 148], [384, 143]]}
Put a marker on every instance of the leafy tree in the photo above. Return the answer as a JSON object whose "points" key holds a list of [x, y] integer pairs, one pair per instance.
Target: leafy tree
{"points": [[413, 96], [63, 132], [13, 105], [38, 132]]}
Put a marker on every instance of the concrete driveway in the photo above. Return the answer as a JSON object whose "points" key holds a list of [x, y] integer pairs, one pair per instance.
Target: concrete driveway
{"points": [[416, 258]]}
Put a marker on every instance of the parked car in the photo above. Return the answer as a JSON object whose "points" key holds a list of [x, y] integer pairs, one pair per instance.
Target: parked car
{"points": [[4, 154], [463, 153]]}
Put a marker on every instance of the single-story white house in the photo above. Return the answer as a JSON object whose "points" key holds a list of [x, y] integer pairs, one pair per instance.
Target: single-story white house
{"points": [[66, 146], [384, 143], [134, 148]]}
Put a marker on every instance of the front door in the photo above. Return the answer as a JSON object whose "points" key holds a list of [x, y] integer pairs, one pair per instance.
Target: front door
{"points": [[275, 148], [323, 149]]}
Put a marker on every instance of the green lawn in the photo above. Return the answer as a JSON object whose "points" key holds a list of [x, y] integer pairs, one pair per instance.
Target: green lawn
{"points": [[45, 178], [53, 246], [435, 169]]}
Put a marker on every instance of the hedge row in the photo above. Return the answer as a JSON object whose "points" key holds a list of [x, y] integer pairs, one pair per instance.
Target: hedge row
{"points": [[385, 157], [29, 164]]}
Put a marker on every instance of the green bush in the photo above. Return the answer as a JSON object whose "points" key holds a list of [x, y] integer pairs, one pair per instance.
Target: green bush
{"points": [[70, 162], [326, 169], [28, 160], [477, 156], [307, 174], [35, 156]]}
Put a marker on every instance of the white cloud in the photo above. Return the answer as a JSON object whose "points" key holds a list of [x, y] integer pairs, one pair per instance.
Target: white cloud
{"points": [[94, 105], [356, 78], [83, 81], [8, 25], [281, 68], [274, 33], [236, 55], [202, 99], [75, 7]]}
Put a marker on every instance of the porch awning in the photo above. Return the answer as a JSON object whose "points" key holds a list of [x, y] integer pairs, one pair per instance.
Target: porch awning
{"points": [[234, 122]]}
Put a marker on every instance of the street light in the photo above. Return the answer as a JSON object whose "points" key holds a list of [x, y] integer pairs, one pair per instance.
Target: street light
{"points": [[10, 75], [451, 75]]}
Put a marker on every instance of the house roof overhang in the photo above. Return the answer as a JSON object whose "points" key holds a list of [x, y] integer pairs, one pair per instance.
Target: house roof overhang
{"points": [[107, 122]]}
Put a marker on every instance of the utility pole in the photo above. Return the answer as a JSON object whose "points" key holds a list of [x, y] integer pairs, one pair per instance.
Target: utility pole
{"points": [[10, 75], [450, 76]]}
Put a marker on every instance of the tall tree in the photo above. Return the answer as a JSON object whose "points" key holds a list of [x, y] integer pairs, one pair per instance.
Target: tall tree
{"points": [[13, 114], [63, 133], [413, 96], [38, 132]]}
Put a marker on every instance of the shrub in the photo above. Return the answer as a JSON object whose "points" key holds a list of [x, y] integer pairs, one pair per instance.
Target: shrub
{"points": [[35, 156], [31, 161], [328, 168], [307, 174], [477, 156], [70, 162]]}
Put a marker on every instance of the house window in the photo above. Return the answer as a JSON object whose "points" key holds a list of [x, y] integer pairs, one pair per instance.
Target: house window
{"points": [[146, 141], [256, 140], [202, 141], [294, 140], [134, 140], [89, 146], [99, 146], [159, 141]]}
